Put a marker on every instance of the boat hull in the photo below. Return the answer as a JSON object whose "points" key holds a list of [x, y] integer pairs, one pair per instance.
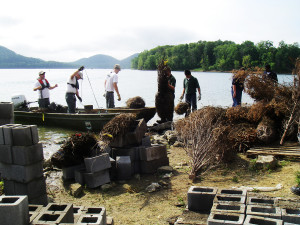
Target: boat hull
{"points": [[80, 122]]}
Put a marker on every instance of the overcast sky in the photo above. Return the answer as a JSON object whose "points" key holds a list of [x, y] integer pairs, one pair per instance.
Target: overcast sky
{"points": [[68, 30]]}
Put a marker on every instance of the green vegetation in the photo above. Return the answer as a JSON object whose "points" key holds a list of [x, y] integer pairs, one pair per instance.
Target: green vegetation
{"points": [[220, 55]]}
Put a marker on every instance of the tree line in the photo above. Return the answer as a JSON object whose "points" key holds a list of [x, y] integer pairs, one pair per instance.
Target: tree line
{"points": [[220, 55]]}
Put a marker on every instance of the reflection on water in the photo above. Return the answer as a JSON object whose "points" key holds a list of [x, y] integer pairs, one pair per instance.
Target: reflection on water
{"points": [[52, 138]]}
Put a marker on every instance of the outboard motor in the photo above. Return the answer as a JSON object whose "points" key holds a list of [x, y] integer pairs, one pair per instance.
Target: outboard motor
{"points": [[20, 102]]}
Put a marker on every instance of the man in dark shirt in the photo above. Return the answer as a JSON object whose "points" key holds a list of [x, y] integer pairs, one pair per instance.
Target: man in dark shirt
{"points": [[237, 87], [190, 86]]}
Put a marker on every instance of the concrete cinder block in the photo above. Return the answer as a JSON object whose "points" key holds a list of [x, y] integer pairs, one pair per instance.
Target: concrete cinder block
{"points": [[7, 133], [35, 208], [133, 152], [92, 180], [153, 152], [232, 191], [27, 173], [290, 215], [230, 199], [77, 212], [228, 208], [6, 110], [264, 211], [124, 167], [69, 172], [6, 154], [97, 163], [47, 218], [6, 121], [67, 209], [262, 201], [201, 198], [32, 189], [150, 167], [26, 155], [32, 216], [91, 219], [261, 220], [101, 211], [5, 171], [225, 218], [1, 135], [34, 134], [22, 136], [14, 210]]}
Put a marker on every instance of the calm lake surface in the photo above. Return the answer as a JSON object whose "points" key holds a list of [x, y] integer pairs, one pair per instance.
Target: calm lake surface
{"points": [[215, 89]]}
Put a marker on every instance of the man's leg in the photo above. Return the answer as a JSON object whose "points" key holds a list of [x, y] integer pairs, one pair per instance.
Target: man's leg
{"points": [[110, 102], [194, 102], [71, 101]]}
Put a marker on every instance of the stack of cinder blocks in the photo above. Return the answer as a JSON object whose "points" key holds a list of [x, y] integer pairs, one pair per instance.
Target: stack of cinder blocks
{"points": [[95, 172], [134, 154], [233, 206], [6, 113], [15, 210], [21, 162]]}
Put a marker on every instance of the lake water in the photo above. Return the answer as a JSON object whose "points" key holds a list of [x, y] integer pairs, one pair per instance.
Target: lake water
{"points": [[215, 89]]}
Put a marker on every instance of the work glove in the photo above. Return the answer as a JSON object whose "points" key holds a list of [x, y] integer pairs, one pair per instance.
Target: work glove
{"points": [[119, 98], [181, 97], [81, 68], [199, 97], [79, 98]]}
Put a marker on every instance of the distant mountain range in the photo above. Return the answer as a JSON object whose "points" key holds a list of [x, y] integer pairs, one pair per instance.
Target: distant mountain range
{"points": [[12, 60]]}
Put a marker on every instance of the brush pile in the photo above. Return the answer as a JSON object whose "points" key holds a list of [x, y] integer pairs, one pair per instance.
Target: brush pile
{"points": [[119, 125], [213, 135], [181, 108], [164, 99], [135, 103], [76, 148]]}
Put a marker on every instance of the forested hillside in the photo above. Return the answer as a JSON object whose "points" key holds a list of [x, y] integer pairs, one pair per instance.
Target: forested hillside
{"points": [[221, 56]]}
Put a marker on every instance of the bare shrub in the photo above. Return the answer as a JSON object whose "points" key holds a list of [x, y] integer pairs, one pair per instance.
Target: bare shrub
{"points": [[135, 103]]}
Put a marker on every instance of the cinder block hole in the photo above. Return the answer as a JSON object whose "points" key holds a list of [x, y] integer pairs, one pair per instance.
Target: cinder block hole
{"points": [[226, 217], [263, 210], [232, 192], [261, 221], [9, 200], [293, 211], [228, 199], [262, 201], [75, 209], [94, 211], [32, 208], [48, 217], [203, 189], [228, 207], [89, 219], [57, 207]]}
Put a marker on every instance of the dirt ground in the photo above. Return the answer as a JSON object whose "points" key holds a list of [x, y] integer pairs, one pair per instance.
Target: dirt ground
{"points": [[128, 203]]}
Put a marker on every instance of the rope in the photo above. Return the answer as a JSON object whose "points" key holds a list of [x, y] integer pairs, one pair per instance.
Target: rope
{"points": [[92, 88]]}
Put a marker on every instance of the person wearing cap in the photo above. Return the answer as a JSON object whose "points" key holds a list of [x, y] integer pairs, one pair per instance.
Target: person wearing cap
{"points": [[111, 85], [72, 90], [43, 86], [190, 86], [269, 74]]}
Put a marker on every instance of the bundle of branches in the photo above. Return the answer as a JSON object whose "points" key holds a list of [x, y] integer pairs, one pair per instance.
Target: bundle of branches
{"points": [[164, 99], [119, 125], [203, 133], [135, 103], [181, 108], [77, 147]]}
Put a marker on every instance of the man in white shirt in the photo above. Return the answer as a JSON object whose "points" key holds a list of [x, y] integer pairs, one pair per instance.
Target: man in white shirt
{"points": [[43, 86], [111, 85], [72, 90]]}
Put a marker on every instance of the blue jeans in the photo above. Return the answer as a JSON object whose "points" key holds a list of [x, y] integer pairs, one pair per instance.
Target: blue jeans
{"points": [[238, 98], [192, 100]]}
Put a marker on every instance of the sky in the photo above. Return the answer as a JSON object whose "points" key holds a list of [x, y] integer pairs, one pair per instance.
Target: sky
{"points": [[68, 30]]}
